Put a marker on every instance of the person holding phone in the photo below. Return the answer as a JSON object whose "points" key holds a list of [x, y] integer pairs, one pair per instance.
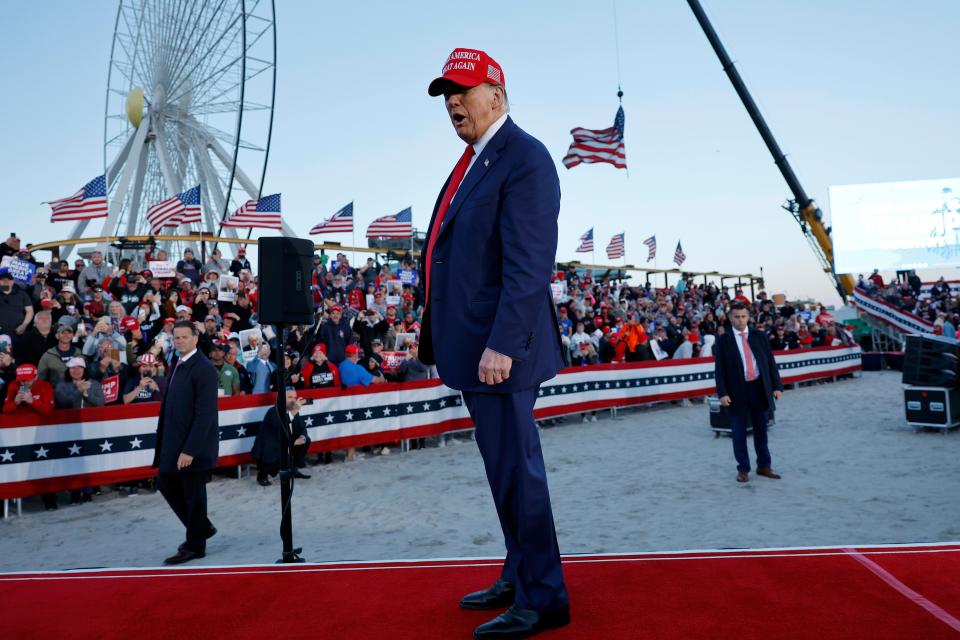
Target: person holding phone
{"points": [[29, 395]]}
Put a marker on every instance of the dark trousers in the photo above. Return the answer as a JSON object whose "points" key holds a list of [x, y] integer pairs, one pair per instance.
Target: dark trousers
{"points": [[755, 413], [299, 461], [510, 446], [186, 493]]}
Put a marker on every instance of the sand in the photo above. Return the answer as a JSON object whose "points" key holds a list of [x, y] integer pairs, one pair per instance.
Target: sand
{"points": [[649, 479]]}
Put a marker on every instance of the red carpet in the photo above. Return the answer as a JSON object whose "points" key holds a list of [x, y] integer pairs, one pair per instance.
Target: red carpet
{"points": [[887, 592]]}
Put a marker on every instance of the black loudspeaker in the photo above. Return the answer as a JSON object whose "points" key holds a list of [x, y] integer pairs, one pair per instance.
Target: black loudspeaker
{"points": [[284, 289], [931, 361]]}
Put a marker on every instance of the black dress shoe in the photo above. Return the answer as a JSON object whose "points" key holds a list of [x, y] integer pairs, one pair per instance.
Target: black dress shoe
{"points": [[264, 482], [498, 596], [301, 475], [212, 531], [184, 556], [516, 623]]}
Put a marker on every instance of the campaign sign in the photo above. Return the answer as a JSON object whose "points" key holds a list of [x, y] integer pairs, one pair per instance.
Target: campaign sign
{"points": [[111, 389], [557, 288], [21, 270], [162, 269], [392, 360]]}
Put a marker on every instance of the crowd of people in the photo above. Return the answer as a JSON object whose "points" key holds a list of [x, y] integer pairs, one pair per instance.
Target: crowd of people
{"points": [[88, 333], [939, 304]]}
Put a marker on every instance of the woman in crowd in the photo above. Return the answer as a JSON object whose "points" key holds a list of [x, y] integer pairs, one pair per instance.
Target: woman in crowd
{"points": [[77, 390]]}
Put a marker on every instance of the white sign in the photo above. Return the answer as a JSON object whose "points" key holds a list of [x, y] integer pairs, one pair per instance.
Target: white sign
{"points": [[162, 269], [227, 287]]}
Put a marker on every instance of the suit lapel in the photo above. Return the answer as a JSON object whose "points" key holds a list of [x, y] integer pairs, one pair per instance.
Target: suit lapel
{"points": [[480, 167]]}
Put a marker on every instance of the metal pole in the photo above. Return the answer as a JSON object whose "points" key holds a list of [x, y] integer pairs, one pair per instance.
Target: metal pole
{"points": [[290, 555]]}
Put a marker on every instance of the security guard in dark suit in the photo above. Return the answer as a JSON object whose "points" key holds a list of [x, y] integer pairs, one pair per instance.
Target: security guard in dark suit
{"points": [[188, 440], [748, 384]]}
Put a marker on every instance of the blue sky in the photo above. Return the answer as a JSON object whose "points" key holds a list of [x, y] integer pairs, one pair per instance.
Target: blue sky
{"points": [[854, 92]]}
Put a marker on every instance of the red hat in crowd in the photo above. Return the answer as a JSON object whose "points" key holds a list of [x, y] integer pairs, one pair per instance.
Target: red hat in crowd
{"points": [[320, 347], [130, 324], [467, 68], [351, 349], [26, 372], [407, 296], [46, 303], [335, 307], [169, 321]]}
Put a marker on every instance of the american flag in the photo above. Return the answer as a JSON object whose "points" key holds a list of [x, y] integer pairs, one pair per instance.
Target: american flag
{"points": [[182, 208], [264, 212], [651, 243], [399, 225], [616, 248], [341, 221], [598, 145], [586, 242], [679, 256], [90, 202]]}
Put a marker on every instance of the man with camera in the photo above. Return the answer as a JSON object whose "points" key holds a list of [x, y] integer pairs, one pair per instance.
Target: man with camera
{"points": [[266, 447], [96, 272], [16, 307], [144, 385]]}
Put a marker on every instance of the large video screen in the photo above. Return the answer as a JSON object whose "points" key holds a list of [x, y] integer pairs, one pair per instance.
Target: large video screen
{"points": [[896, 225]]}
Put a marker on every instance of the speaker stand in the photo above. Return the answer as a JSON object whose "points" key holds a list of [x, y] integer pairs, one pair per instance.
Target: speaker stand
{"points": [[290, 555]]}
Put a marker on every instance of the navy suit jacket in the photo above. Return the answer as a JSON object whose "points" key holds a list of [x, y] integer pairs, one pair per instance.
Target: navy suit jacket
{"points": [[728, 369], [492, 262], [188, 417]]}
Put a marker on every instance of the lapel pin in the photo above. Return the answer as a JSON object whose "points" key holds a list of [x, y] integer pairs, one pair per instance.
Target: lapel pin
{"points": [[486, 162]]}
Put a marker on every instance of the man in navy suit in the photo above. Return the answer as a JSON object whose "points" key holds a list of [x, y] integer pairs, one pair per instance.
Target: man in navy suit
{"points": [[748, 383], [490, 326], [188, 440]]}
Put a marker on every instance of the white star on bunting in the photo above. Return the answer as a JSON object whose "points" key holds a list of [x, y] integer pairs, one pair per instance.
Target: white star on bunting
{"points": [[242, 431], [409, 408], [329, 418], [135, 443], [42, 452], [106, 446], [386, 411], [349, 415], [309, 421], [443, 403], [74, 449], [6, 456], [368, 413], [426, 406]]}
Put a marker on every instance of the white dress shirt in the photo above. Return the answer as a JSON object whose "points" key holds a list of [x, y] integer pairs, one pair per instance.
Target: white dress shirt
{"points": [[743, 359], [480, 144]]}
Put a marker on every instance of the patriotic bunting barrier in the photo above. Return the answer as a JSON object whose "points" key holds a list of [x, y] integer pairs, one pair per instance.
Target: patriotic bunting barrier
{"points": [[85, 447], [890, 315]]}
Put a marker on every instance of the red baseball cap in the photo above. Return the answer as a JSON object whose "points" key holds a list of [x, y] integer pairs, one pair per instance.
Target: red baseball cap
{"points": [[130, 324], [320, 347], [335, 307], [26, 372], [351, 349], [467, 68]]}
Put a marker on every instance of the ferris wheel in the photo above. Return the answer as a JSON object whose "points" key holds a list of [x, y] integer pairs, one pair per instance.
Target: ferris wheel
{"points": [[190, 95]]}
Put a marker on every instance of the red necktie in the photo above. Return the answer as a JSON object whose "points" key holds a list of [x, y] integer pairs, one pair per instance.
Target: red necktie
{"points": [[748, 358], [458, 172]]}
